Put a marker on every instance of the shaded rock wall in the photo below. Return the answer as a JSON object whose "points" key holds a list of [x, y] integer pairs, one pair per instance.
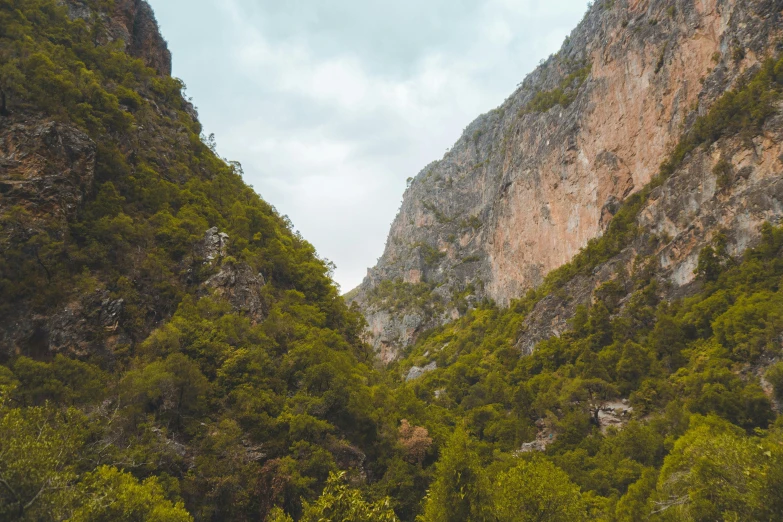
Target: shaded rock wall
{"points": [[133, 22]]}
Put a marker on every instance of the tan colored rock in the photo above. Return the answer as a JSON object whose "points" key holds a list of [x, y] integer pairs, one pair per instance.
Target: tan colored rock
{"points": [[521, 192]]}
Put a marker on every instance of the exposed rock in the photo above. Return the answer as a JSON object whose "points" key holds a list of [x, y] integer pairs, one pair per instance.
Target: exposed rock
{"points": [[349, 457], [615, 415], [139, 30], [133, 22], [89, 325], [240, 286], [214, 245], [45, 167], [522, 191], [417, 371], [545, 436], [680, 218]]}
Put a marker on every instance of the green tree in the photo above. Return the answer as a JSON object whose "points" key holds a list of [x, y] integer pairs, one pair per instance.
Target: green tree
{"points": [[110, 495], [774, 375], [537, 491], [173, 388], [340, 502], [460, 490], [713, 259], [714, 472], [38, 456]]}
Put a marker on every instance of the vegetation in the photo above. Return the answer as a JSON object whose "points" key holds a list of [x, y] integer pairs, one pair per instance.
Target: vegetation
{"points": [[562, 95], [739, 112], [679, 364], [440, 217], [201, 412], [399, 295], [187, 404], [473, 222]]}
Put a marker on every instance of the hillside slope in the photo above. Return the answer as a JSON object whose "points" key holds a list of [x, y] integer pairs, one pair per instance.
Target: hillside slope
{"points": [[167, 342], [530, 183]]}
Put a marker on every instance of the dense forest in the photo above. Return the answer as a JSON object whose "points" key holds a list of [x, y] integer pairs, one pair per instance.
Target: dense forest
{"points": [[193, 405]]}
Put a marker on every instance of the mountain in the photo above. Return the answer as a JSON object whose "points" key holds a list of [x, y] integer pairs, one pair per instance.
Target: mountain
{"points": [[530, 183], [169, 347], [587, 323]]}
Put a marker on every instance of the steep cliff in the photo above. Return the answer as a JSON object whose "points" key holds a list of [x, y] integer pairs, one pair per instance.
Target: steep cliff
{"points": [[530, 183]]}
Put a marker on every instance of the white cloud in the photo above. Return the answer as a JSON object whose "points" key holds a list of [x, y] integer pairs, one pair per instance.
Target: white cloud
{"points": [[330, 106]]}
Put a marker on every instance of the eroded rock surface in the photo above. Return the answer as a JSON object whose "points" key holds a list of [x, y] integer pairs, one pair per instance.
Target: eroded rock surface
{"points": [[46, 167], [680, 218], [417, 371], [523, 190], [133, 22]]}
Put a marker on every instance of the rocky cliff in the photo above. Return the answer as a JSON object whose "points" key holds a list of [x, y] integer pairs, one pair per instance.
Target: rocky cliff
{"points": [[133, 23], [530, 183], [101, 121]]}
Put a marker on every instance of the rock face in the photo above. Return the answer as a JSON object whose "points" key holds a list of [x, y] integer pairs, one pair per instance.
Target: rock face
{"points": [[417, 371], [528, 184], [214, 245], [234, 282], [49, 171], [133, 22], [45, 167], [681, 217]]}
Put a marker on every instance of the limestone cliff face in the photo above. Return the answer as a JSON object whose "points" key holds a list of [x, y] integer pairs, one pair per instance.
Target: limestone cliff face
{"points": [[679, 219], [528, 184]]}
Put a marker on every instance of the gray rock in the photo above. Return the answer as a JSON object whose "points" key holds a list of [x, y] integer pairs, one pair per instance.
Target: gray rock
{"points": [[240, 286], [214, 245], [417, 371]]}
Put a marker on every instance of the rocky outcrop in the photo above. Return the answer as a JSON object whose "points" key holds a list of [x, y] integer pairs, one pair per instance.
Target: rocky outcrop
{"points": [[49, 169], [139, 29], [133, 22], [88, 325], [46, 167], [530, 183], [214, 246], [235, 282], [240, 286], [732, 188], [417, 371]]}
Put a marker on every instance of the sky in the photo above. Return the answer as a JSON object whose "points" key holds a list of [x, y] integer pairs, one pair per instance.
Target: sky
{"points": [[331, 105]]}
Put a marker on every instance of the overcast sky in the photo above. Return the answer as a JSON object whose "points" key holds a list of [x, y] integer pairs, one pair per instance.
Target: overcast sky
{"points": [[330, 105]]}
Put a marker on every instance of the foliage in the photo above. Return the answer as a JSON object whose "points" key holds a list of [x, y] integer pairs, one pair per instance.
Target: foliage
{"points": [[401, 295], [460, 490], [714, 472], [206, 412], [415, 440], [262, 411], [114, 495], [537, 490], [671, 360], [739, 112], [339, 502], [562, 95], [39, 447], [440, 217]]}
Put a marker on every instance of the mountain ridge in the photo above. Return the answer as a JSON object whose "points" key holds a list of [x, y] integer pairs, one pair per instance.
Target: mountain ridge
{"points": [[530, 183]]}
